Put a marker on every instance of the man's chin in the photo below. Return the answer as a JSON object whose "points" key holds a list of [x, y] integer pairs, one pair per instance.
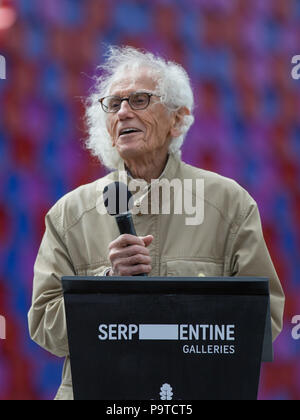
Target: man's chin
{"points": [[128, 151]]}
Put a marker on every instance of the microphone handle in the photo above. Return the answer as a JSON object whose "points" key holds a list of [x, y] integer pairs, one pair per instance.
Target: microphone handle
{"points": [[125, 224]]}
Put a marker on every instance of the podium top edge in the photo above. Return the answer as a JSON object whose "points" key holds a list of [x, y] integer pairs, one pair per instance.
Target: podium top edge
{"points": [[178, 279], [182, 285]]}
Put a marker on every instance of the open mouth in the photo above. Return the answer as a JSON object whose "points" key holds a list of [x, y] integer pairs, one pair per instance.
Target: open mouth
{"points": [[130, 130]]}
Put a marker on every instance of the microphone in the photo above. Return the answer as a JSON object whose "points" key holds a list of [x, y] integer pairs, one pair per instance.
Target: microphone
{"points": [[118, 201]]}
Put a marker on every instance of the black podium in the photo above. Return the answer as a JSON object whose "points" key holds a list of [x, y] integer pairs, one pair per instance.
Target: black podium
{"points": [[137, 338]]}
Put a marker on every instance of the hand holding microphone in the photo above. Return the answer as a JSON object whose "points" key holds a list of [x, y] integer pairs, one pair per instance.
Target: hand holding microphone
{"points": [[128, 253], [130, 256]]}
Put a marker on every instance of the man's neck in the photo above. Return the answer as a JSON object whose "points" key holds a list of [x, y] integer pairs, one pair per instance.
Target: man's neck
{"points": [[147, 169]]}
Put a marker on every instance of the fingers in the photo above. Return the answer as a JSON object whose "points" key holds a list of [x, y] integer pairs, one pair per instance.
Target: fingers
{"points": [[147, 240], [124, 270], [126, 239], [129, 255]]}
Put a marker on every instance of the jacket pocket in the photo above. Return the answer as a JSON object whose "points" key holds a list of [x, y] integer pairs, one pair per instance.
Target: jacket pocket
{"points": [[194, 268]]}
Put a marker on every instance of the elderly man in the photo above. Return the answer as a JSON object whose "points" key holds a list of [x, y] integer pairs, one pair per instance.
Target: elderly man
{"points": [[137, 118]]}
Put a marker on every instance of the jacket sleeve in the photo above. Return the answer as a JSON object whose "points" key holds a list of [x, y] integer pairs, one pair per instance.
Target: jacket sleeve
{"points": [[250, 257], [46, 317]]}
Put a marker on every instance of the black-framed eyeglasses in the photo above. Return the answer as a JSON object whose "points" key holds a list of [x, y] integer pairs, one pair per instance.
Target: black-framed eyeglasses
{"points": [[136, 100]]}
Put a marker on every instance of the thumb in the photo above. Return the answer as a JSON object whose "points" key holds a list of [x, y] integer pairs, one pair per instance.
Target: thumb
{"points": [[147, 239]]}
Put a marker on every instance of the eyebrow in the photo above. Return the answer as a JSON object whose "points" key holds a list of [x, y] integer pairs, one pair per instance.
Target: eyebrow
{"points": [[121, 95]]}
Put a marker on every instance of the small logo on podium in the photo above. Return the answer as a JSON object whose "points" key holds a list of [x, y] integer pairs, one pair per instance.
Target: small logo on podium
{"points": [[166, 392]]}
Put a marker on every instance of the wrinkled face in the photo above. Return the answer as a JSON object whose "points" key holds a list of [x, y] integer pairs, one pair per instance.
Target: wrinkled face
{"points": [[153, 126]]}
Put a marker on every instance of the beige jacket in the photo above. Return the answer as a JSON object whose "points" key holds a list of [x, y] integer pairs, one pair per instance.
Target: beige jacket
{"points": [[228, 242]]}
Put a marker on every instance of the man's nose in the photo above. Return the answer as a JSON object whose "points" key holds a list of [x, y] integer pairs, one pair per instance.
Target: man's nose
{"points": [[125, 110]]}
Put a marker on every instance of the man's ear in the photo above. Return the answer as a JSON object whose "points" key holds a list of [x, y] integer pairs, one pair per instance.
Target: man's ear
{"points": [[176, 129]]}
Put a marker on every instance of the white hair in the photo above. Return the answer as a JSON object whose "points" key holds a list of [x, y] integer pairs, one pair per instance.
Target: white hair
{"points": [[173, 85]]}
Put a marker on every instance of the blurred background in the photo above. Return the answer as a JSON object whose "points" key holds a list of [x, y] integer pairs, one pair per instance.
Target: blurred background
{"points": [[238, 54]]}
